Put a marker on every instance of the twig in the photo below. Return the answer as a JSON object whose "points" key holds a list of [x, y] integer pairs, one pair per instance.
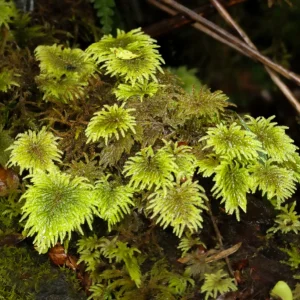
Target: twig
{"points": [[281, 85], [227, 38], [179, 20], [219, 236]]}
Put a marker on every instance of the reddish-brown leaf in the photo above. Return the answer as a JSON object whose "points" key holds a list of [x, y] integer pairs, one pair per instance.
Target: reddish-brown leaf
{"points": [[9, 181], [58, 255]]}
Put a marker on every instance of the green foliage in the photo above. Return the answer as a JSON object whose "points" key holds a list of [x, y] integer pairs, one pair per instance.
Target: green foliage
{"points": [[12, 283], [111, 122], [278, 145], [34, 151], [282, 290], [64, 72], [228, 177], [113, 200], [24, 274], [296, 292], [178, 284], [294, 256], [184, 159], [217, 283], [132, 56], [143, 145], [105, 11], [123, 253], [55, 205], [88, 247], [5, 142], [187, 77], [288, 220], [7, 80], [7, 12], [204, 103], [148, 169], [179, 206], [208, 165], [232, 142], [87, 168], [64, 89], [116, 251], [58, 61], [274, 181], [112, 152], [114, 283], [187, 242], [11, 209], [141, 90], [24, 32], [247, 157]]}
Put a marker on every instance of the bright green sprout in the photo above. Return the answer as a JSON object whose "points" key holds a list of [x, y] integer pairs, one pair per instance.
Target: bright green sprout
{"points": [[111, 122], [113, 200], [56, 204], [180, 206], [217, 283], [148, 169], [133, 56], [232, 142], [288, 220], [34, 151]]}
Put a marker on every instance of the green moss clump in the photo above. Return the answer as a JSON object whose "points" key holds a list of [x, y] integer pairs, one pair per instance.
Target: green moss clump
{"points": [[23, 274]]}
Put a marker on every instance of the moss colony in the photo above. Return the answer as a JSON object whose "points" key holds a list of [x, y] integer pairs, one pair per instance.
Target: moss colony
{"points": [[111, 148]]}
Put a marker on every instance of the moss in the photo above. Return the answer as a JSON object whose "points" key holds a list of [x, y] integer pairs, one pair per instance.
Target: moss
{"points": [[24, 275]]}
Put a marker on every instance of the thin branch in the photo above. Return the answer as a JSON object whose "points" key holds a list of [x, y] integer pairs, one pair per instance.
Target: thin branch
{"points": [[225, 37], [180, 20], [281, 85]]}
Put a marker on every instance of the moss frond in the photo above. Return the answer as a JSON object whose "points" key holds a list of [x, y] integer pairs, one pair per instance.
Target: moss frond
{"points": [[105, 12], [127, 254], [55, 205], [217, 283], [132, 55], [178, 284], [90, 253], [113, 200], [274, 181], [88, 168], [114, 121], [294, 256], [5, 142], [187, 77], [64, 72], [34, 151], [7, 12], [187, 242], [232, 142], [232, 183], [278, 145], [112, 153], [208, 165], [148, 169], [180, 207], [293, 164], [57, 61], [184, 159], [64, 89], [115, 251], [140, 90], [7, 79], [286, 221], [205, 103]]}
